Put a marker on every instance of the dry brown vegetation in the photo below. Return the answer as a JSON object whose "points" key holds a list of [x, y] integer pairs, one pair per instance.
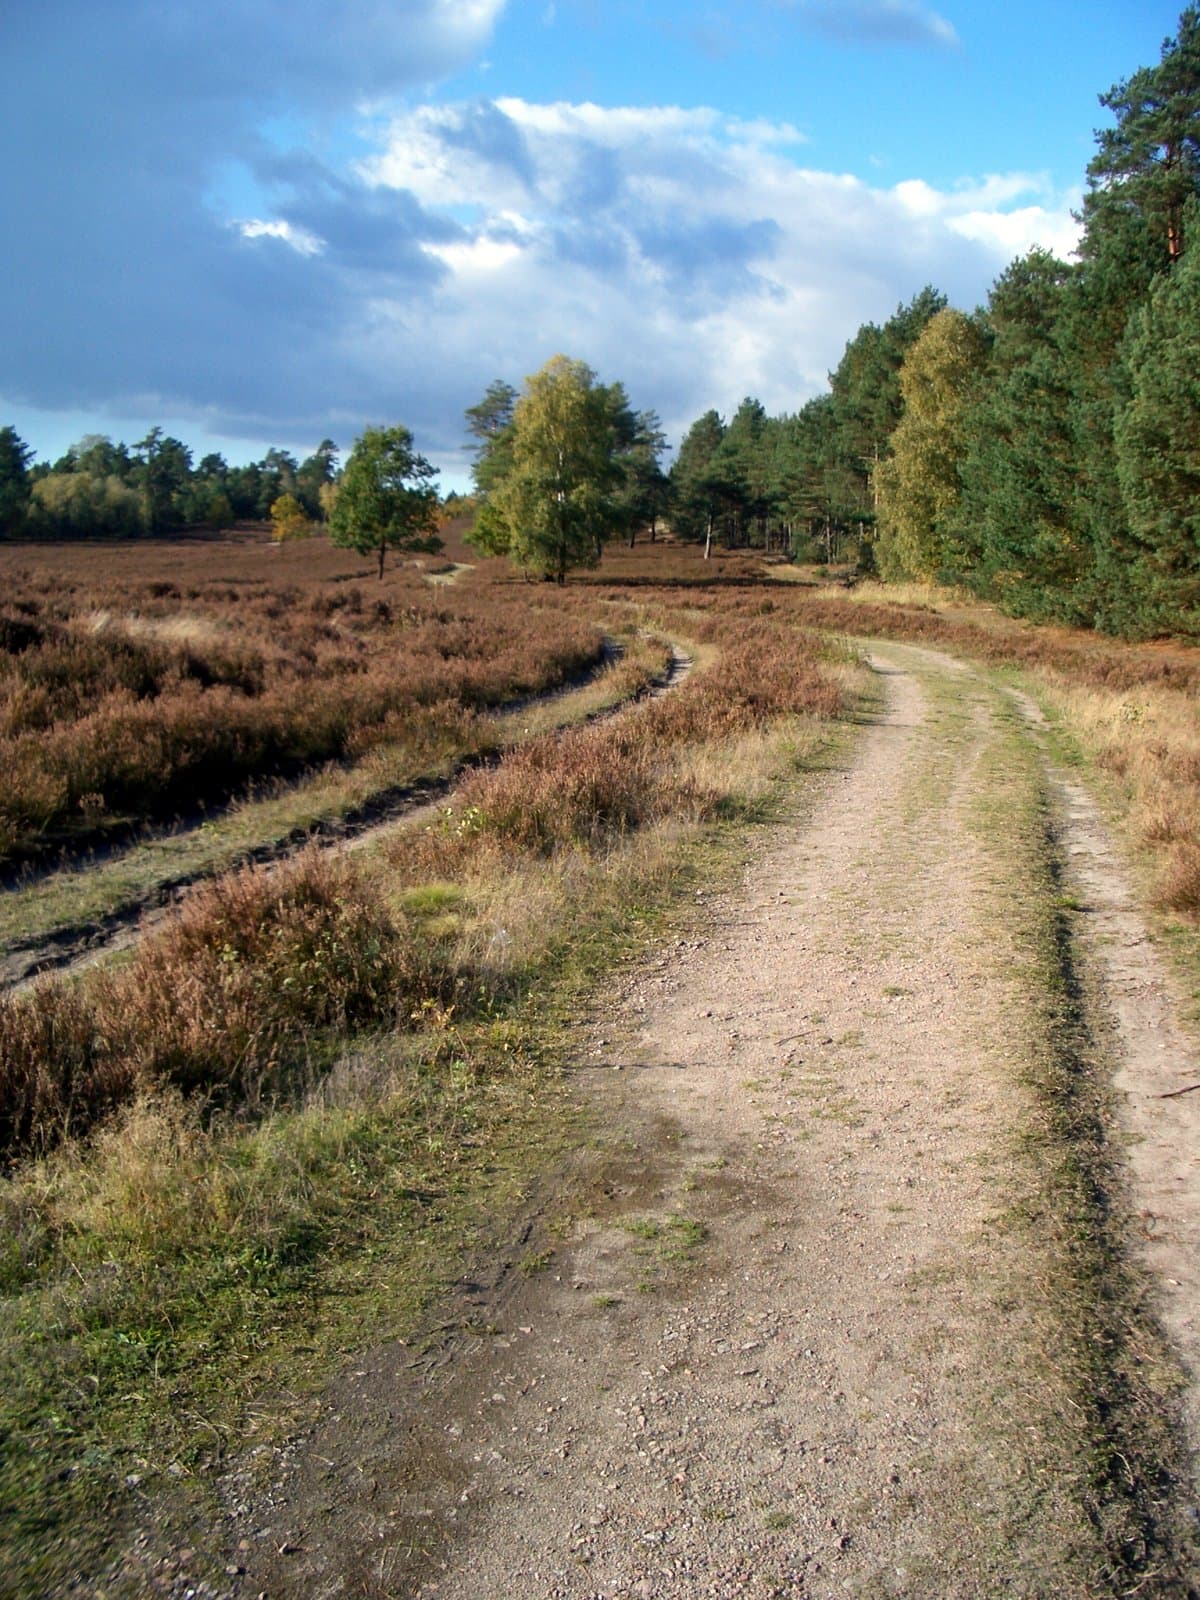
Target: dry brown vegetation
{"points": [[275, 1083], [239, 998], [127, 696]]}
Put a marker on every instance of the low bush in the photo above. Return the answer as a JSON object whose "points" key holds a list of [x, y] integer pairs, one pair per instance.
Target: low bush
{"points": [[238, 1000], [127, 702]]}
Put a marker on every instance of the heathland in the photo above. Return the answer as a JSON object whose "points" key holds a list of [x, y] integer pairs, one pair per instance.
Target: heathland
{"points": [[422, 860]]}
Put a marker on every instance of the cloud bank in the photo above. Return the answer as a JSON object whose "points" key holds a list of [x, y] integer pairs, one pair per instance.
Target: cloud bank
{"points": [[262, 262]]}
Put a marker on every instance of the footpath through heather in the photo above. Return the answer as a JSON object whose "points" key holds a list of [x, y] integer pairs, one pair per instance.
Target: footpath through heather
{"points": [[843, 1300]]}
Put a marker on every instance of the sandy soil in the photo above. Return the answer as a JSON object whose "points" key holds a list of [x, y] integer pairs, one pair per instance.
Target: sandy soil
{"points": [[779, 1333]]}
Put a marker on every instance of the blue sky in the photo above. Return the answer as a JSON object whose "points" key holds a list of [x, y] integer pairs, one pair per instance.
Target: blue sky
{"points": [[274, 221]]}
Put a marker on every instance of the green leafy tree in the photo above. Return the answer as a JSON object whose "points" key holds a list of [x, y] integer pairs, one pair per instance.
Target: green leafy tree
{"points": [[919, 484], [386, 499], [15, 487], [80, 505], [556, 504], [218, 511]]}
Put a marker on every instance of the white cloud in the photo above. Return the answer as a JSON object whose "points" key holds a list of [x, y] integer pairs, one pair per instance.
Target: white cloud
{"points": [[482, 254], [681, 251], [1016, 232], [301, 241]]}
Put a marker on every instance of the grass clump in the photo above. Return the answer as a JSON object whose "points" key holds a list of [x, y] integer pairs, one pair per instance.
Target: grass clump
{"points": [[236, 1000]]}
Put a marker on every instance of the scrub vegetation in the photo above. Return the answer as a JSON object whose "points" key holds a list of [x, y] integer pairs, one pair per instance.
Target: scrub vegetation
{"points": [[127, 699], [317, 1070]]}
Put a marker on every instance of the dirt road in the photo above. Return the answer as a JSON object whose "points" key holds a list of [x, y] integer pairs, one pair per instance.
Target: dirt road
{"points": [[844, 1301]]}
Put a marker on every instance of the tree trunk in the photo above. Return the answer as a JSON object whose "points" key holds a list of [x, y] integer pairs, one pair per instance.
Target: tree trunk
{"points": [[382, 553], [708, 537]]}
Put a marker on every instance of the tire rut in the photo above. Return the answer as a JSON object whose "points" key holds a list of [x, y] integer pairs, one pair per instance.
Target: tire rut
{"points": [[73, 947]]}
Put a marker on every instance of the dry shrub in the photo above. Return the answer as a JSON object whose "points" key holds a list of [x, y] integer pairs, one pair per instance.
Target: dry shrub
{"points": [[1166, 817], [1150, 747], [576, 790], [231, 1001], [588, 787], [256, 962], [61, 1065], [128, 698], [1179, 886]]}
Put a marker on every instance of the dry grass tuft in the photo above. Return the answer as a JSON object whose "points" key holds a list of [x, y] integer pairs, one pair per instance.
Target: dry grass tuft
{"points": [[234, 1001]]}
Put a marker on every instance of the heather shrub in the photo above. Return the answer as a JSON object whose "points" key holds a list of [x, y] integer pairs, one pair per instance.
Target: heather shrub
{"points": [[575, 790], [122, 708], [236, 1000], [261, 960], [64, 1063]]}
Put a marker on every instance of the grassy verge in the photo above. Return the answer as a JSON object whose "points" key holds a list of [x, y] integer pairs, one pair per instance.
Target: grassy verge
{"points": [[308, 1176], [1105, 1438], [1124, 715]]}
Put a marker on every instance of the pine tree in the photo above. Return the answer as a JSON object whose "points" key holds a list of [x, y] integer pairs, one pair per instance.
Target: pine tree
{"points": [[15, 487], [1158, 449], [1016, 526]]}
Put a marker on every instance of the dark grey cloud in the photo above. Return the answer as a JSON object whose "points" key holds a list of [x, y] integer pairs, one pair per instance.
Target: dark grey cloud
{"points": [[120, 282], [482, 130], [712, 257]]}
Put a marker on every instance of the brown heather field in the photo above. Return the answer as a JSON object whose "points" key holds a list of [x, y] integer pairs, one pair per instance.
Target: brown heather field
{"points": [[138, 682], [126, 689], [263, 972]]}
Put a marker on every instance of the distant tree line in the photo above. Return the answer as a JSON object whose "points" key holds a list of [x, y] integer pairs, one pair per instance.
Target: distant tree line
{"points": [[102, 489], [1044, 450]]}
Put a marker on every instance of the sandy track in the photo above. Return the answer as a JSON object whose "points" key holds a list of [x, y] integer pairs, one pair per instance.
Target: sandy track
{"points": [[791, 1340]]}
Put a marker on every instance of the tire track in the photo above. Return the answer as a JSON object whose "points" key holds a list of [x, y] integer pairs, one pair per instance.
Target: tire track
{"points": [[74, 947]]}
